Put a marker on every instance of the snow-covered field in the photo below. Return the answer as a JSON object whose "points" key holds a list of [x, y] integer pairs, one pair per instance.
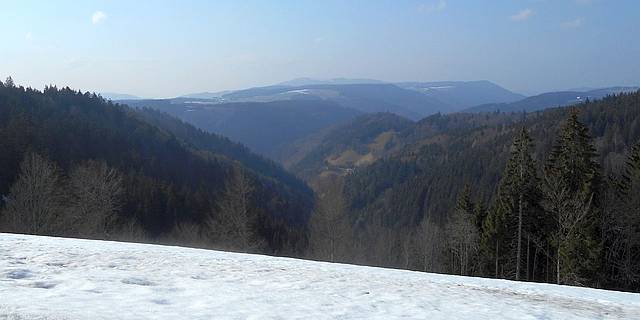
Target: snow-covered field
{"points": [[55, 278]]}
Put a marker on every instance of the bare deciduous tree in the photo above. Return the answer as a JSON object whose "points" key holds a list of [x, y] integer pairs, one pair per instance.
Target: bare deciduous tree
{"points": [[187, 233], [330, 228], [232, 223], [95, 197], [131, 231], [430, 244], [35, 199]]}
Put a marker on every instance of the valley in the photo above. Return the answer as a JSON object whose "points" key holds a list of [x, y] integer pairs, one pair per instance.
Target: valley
{"points": [[421, 159]]}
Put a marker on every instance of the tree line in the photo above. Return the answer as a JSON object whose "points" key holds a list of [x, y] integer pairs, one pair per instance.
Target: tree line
{"points": [[562, 220], [565, 221], [73, 164], [86, 202]]}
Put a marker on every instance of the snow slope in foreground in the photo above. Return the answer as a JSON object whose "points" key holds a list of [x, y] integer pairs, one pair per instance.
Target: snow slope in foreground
{"points": [[56, 278]]}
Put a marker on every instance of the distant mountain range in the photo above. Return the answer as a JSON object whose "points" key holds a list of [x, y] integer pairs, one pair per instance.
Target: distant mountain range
{"points": [[206, 95], [363, 97], [550, 99], [278, 121], [270, 119], [118, 96], [413, 100], [310, 81], [463, 94], [265, 127]]}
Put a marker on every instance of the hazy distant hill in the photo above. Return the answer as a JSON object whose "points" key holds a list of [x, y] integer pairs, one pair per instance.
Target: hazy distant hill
{"points": [[265, 127], [206, 95], [414, 100], [463, 94], [366, 97], [549, 100], [310, 81], [294, 113], [118, 96]]}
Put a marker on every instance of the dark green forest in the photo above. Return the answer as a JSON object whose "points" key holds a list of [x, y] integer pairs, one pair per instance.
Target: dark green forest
{"points": [[171, 180], [266, 127], [507, 195]]}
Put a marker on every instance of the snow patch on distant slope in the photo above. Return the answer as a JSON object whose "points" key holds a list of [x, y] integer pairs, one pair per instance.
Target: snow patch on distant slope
{"points": [[56, 278]]}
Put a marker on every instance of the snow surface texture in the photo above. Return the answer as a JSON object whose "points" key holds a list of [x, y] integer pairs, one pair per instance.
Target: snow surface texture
{"points": [[57, 278]]}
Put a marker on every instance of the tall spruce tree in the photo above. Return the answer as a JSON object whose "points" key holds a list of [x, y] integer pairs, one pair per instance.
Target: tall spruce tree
{"points": [[572, 192], [517, 213]]}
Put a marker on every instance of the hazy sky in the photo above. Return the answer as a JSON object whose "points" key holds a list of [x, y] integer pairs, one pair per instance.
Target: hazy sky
{"points": [[169, 48]]}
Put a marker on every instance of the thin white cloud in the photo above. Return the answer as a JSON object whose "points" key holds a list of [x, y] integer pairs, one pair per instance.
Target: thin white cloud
{"points": [[522, 15], [573, 24], [432, 7], [98, 17]]}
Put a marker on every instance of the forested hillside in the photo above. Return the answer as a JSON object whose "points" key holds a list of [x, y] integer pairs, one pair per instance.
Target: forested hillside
{"points": [[266, 128], [378, 136], [463, 94], [73, 164], [220, 145], [357, 143], [411, 208], [550, 100]]}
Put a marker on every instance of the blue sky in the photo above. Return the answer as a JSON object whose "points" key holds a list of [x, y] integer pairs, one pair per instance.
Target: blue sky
{"points": [[169, 48]]}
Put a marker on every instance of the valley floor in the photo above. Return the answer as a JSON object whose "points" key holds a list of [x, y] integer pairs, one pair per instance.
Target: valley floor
{"points": [[57, 278]]}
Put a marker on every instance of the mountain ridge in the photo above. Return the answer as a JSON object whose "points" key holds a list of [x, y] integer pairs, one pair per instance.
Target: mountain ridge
{"points": [[550, 100]]}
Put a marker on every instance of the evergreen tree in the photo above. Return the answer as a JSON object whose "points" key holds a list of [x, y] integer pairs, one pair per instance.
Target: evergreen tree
{"points": [[480, 213], [9, 83], [518, 211], [573, 158], [573, 183]]}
